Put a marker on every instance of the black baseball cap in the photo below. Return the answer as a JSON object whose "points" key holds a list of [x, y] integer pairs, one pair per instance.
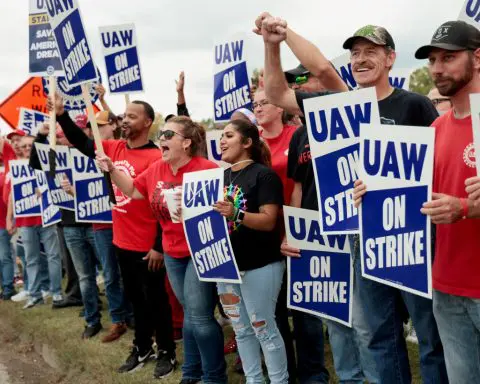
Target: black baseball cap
{"points": [[453, 36], [291, 74], [374, 33]]}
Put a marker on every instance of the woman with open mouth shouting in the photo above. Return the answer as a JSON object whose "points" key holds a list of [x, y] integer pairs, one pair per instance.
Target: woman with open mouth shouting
{"points": [[182, 142]]}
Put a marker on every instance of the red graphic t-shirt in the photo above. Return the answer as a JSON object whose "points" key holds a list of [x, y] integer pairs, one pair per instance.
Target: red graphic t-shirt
{"points": [[457, 250], [3, 206], [152, 183], [134, 226], [279, 149]]}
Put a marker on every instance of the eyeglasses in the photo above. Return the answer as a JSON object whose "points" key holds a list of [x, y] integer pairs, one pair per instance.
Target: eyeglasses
{"points": [[168, 134], [440, 100], [299, 80], [260, 103]]}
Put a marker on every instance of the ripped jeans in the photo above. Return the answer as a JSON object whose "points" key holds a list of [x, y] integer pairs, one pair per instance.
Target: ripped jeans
{"points": [[251, 307]]}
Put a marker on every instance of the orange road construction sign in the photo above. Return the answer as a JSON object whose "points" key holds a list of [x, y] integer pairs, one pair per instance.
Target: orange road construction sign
{"points": [[29, 95]]}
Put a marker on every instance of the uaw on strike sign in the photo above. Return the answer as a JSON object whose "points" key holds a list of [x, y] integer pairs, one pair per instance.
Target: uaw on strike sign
{"points": [[231, 85], [72, 43], [397, 168], [119, 43], [333, 124]]}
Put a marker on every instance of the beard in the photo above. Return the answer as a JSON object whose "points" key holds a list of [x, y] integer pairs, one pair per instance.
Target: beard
{"points": [[448, 86]]}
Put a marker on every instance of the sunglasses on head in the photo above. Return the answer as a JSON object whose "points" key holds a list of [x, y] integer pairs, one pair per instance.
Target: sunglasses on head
{"points": [[299, 80], [168, 134]]}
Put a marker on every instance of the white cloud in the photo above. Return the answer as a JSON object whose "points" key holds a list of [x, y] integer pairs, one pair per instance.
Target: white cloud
{"points": [[178, 35]]}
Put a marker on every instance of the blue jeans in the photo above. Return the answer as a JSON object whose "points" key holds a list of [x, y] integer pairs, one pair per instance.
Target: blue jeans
{"points": [[6, 262], [81, 246], [309, 341], [251, 307], [32, 238], [202, 335], [384, 315], [20, 251], [111, 273], [458, 320]]}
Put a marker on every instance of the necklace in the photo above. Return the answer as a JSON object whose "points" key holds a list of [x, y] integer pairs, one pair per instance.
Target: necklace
{"points": [[239, 173]]}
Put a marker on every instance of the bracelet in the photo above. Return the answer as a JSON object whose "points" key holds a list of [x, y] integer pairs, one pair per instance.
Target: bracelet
{"points": [[464, 204]]}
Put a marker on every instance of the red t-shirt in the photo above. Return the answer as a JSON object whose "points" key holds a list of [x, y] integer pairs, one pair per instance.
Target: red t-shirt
{"points": [[134, 226], [8, 154], [457, 250], [152, 183], [3, 206], [33, 221], [279, 148]]}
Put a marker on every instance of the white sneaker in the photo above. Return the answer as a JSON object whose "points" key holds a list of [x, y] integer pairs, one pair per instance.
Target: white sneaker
{"points": [[56, 298], [21, 296], [46, 295], [33, 302]]}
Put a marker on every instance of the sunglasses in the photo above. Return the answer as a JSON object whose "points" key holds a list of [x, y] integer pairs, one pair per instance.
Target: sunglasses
{"points": [[299, 80], [168, 134], [435, 102]]}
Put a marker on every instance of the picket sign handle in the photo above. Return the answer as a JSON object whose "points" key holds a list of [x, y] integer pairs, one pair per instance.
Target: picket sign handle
{"points": [[127, 99], [53, 116], [91, 119], [97, 138]]}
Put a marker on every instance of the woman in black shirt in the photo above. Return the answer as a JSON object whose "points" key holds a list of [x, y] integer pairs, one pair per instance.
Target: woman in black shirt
{"points": [[253, 200]]}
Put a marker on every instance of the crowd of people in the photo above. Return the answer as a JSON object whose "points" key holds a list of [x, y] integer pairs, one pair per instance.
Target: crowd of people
{"points": [[150, 281]]}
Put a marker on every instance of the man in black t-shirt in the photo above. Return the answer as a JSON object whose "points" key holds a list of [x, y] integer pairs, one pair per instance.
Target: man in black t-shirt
{"points": [[377, 308]]}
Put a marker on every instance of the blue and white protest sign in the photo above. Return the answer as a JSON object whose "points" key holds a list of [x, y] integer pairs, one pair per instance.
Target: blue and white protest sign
{"points": [[29, 121], [398, 77], [63, 169], [231, 83], [75, 53], [72, 96], [475, 113], [205, 229], [320, 281], [44, 59], [24, 189], [92, 202], [119, 43], [213, 147], [333, 124], [51, 214], [397, 168], [470, 13]]}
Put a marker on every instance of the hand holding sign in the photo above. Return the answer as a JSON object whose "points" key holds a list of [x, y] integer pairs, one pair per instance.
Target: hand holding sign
{"points": [[66, 186], [444, 209], [100, 89], [288, 250], [104, 162], [358, 191], [56, 104], [225, 208]]}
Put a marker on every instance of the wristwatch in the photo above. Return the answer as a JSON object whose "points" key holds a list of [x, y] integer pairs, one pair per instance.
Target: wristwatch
{"points": [[240, 216]]}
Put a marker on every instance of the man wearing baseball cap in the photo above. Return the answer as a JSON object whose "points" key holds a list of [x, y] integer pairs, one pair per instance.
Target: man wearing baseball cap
{"points": [[378, 309], [454, 63]]}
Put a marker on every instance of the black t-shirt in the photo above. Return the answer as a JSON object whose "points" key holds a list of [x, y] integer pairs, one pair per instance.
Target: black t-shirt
{"points": [[249, 189], [400, 108]]}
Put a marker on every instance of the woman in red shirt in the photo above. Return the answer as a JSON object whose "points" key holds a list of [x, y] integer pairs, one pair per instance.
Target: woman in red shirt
{"points": [[183, 144]]}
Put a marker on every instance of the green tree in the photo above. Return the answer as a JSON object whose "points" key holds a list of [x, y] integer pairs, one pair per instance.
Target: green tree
{"points": [[421, 81]]}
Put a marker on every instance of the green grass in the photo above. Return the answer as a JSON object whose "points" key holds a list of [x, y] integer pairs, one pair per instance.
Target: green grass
{"points": [[87, 362]]}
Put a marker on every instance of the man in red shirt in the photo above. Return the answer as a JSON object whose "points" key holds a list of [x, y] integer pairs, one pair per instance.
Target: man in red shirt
{"points": [[454, 62], [6, 259], [137, 246]]}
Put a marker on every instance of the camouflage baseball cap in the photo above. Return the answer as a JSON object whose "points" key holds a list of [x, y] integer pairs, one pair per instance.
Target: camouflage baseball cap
{"points": [[375, 34]]}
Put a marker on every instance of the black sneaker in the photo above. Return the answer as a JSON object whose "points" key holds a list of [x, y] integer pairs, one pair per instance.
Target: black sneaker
{"points": [[7, 296], [190, 381], [136, 360], [165, 365], [91, 331]]}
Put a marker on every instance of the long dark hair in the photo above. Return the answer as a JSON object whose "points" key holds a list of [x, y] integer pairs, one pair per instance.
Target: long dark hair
{"points": [[259, 151]]}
